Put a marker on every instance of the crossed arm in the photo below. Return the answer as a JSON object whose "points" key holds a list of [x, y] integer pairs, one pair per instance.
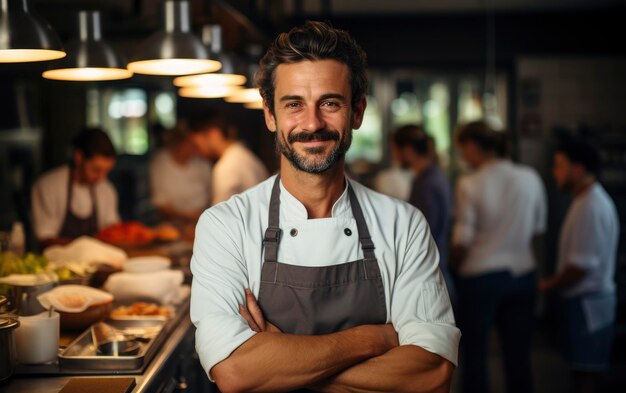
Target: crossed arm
{"points": [[361, 359]]}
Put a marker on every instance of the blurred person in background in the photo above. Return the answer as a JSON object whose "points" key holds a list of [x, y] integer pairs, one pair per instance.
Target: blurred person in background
{"points": [[586, 263], [430, 188], [500, 207], [236, 168], [394, 181], [180, 180], [77, 199]]}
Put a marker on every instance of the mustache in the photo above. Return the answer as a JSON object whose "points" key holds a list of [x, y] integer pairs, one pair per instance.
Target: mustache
{"points": [[321, 135]]}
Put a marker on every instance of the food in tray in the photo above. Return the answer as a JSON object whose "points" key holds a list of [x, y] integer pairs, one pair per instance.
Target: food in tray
{"points": [[166, 232], [72, 300], [130, 232], [30, 263], [142, 309], [33, 269], [135, 233]]}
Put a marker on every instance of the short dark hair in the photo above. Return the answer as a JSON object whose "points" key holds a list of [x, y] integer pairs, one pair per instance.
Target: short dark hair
{"points": [[93, 142], [210, 118], [313, 41], [579, 150], [413, 135], [480, 133]]}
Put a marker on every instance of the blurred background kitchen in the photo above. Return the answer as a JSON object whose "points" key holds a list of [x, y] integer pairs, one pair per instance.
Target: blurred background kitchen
{"points": [[533, 70]]}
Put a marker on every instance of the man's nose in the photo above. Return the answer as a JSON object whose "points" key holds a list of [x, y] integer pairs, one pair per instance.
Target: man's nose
{"points": [[313, 119]]}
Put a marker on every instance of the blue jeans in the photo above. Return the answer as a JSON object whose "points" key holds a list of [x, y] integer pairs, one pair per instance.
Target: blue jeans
{"points": [[507, 302]]}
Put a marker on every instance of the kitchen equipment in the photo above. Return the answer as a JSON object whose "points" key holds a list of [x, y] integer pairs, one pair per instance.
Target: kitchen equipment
{"points": [[7, 346], [3, 301], [37, 338], [147, 264], [82, 320], [79, 305], [23, 297], [83, 354], [118, 348]]}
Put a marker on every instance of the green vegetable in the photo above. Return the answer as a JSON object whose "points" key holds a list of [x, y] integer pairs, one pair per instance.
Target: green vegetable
{"points": [[30, 263]]}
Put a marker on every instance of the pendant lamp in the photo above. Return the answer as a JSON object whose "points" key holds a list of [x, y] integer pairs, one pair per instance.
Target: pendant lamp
{"points": [[89, 58], [254, 105], [24, 37], [245, 96], [174, 50], [229, 73], [208, 91], [216, 79]]}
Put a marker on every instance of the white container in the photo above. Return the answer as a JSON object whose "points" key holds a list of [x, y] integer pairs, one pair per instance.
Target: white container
{"points": [[17, 239], [37, 338]]}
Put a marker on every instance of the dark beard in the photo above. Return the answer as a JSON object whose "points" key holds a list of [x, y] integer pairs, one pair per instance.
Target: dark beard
{"points": [[300, 162]]}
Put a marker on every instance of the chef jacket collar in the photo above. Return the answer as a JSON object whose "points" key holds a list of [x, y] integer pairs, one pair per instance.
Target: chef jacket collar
{"points": [[295, 210]]}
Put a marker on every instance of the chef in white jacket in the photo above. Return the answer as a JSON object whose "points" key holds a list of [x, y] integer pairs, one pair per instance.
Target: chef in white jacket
{"points": [[311, 280], [77, 199], [586, 264]]}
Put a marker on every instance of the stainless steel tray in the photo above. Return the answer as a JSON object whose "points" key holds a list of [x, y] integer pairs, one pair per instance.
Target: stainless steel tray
{"points": [[81, 353]]}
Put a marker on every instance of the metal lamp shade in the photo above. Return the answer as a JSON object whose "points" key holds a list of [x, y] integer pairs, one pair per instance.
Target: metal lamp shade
{"points": [[210, 80], [208, 91], [24, 37], [89, 58], [245, 96], [175, 50], [254, 105]]}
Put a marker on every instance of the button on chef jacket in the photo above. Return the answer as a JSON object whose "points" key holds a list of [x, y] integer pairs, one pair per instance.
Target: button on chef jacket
{"points": [[228, 257]]}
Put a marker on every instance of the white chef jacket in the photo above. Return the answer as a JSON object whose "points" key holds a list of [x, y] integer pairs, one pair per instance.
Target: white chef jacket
{"points": [[237, 170], [49, 201], [228, 257], [588, 240], [499, 208], [186, 188]]}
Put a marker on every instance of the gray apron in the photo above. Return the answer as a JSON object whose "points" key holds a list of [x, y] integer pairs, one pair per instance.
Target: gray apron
{"points": [[319, 300], [74, 226]]}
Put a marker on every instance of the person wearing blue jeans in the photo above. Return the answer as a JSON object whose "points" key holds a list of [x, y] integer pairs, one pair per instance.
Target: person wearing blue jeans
{"points": [[507, 302], [500, 207], [585, 273]]}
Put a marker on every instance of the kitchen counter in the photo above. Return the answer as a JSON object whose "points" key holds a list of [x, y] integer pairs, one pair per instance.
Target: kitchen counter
{"points": [[174, 367]]}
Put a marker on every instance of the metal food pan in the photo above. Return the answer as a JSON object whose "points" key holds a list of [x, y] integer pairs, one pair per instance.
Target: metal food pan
{"points": [[81, 353]]}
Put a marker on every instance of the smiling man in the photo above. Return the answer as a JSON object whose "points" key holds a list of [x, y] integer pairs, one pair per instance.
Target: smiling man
{"points": [[310, 280]]}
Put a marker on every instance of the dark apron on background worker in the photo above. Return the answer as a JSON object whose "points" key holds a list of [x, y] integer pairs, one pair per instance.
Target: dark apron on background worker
{"points": [[74, 226], [319, 300]]}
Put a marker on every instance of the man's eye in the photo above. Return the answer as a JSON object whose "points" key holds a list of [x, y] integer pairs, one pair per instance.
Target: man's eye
{"points": [[292, 105], [330, 105]]}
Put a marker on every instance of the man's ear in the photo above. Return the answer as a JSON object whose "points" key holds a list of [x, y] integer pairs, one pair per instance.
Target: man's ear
{"points": [[357, 113], [270, 120]]}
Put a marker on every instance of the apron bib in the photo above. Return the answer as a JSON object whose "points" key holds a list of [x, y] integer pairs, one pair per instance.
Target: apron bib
{"points": [[74, 226], [319, 300]]}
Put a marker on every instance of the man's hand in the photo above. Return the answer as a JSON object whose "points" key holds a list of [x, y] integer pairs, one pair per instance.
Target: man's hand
{"points": [[252, 313], [567, 277]]}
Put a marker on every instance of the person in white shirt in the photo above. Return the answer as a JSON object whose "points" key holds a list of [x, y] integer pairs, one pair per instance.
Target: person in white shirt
{"points": [[76, 200], [500, 207], [586, 263], [236, 168], [180, 180], [350, 296]]}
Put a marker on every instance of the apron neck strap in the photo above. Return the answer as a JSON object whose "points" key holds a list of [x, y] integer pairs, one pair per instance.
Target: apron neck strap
{"points": [[273, 231], [364, 234]]}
